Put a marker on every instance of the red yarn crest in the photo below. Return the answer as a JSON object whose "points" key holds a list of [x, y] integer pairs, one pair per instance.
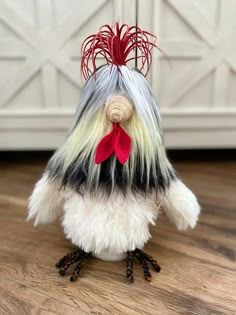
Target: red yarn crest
{"points": [[115, 45]]}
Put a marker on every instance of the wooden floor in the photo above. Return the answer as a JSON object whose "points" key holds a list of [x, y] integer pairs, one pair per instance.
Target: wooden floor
{"points": [[198, 273]]}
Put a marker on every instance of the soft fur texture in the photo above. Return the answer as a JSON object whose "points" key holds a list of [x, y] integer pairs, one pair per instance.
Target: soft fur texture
{"points": [[110, 227], [147, 169], [118, 224], [46, 201], [107, 208], [181, 206]]}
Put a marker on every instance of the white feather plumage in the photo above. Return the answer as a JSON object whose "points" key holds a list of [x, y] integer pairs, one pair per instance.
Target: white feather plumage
{"points": [[46, 201], [181, 206], [110, 227], [116, 225]]}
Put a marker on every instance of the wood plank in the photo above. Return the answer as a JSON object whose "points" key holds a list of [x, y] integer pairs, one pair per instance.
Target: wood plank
{"points": [[17, 298], [198, 267]]}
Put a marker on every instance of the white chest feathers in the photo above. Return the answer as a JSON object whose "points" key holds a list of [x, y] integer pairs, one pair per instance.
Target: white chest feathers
{"points": [[116, 224]]}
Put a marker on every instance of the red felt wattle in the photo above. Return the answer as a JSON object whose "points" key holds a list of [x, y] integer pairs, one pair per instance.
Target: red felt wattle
{"points": [[118, 142], [105, 147], [122, 146], [115, 45]]}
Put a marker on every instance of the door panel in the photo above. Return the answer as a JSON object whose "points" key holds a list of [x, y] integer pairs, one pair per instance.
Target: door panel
{"points": [[193, 79], [40, 79]]}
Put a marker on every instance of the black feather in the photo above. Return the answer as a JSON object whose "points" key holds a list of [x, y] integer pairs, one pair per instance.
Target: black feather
{"points": [[76, 177]]}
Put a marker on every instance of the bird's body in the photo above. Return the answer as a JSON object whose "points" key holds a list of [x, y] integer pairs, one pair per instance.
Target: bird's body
{"points": [[106, 228], [109, 179], [119, 226], [110, 226]]}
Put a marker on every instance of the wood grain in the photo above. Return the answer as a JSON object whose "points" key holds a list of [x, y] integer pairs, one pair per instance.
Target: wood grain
{"points": [[198, 273]]}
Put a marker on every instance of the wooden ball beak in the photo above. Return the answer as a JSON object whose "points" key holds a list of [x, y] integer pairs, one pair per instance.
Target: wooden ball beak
{"points": [[118, 108]]}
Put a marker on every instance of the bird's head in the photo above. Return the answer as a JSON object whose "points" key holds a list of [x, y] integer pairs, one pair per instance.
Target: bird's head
{"points": [[117, 136]]}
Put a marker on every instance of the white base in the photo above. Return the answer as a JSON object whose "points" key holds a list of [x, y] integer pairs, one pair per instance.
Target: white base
{"points": [[108, 256]]}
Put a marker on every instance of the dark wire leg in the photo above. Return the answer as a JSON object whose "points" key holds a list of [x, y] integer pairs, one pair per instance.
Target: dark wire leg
{"points": [[66, 258], [129, 270], [65, 262], [74, 258], [153, 262], [142, 261], [82, 259]]}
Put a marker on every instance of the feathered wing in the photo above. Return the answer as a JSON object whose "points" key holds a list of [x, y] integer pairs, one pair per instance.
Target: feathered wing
{"points": [[181, 205], [46, 201]]}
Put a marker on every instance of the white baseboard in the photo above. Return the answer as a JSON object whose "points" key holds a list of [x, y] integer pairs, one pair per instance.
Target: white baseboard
{"points": [[48, 130]]}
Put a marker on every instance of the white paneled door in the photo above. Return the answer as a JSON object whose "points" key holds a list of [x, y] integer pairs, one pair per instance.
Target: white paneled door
{"points": [[40, 79], [194, 80]]}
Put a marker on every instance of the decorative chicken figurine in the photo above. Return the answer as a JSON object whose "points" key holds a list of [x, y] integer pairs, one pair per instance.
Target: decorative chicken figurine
{"points": [[109, 179]]}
